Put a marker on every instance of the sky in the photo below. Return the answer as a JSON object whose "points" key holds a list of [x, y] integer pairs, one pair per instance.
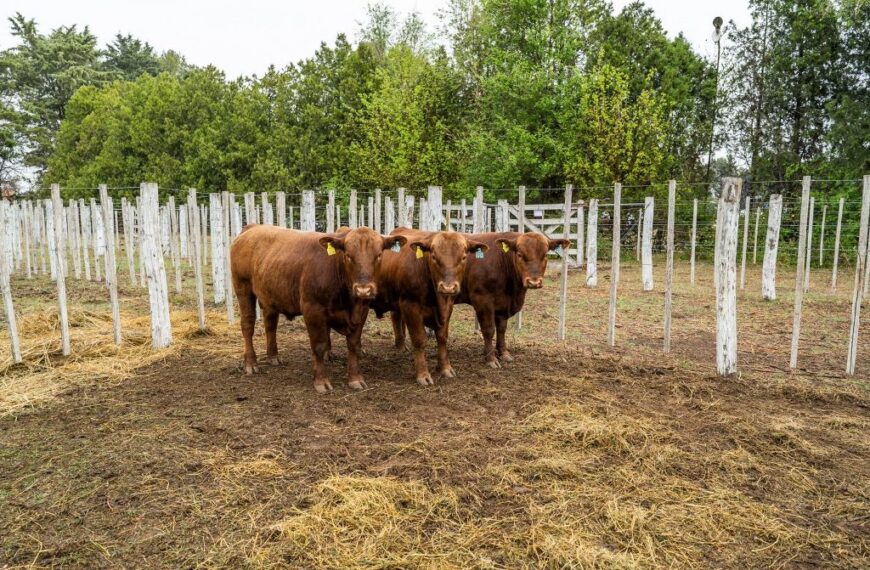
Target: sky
{"points": [[244, 38]]}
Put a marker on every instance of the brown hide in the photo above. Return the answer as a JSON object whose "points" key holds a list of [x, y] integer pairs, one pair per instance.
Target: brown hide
{"points": [[292, 273], [496, 285], [419, 291]]}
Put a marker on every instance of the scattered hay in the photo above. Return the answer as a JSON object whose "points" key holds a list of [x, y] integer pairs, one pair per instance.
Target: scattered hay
{"points": [[374, 522], [95, 357]]}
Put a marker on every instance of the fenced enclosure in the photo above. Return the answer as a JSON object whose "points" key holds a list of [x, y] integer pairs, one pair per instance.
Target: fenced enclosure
{"points": [[85, 240]]}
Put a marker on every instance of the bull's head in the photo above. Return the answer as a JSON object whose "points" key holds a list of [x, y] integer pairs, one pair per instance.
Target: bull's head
{"points": [[448, 252], [530, 254], [361, 260]]}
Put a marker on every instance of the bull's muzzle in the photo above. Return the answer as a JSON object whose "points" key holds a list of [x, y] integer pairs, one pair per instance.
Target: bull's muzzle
{"points": [[451, 288], [534, 283], [365, 290]]}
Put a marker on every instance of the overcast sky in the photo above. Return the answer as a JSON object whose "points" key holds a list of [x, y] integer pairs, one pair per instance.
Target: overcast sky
{"points": [[244, 38]]}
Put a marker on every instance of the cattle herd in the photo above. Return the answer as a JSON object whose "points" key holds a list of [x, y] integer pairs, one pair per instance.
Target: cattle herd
{"points": [[334, 279]]}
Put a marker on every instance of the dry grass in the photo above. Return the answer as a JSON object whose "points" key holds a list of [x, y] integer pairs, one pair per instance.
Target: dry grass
{"points": [[574, 456]]}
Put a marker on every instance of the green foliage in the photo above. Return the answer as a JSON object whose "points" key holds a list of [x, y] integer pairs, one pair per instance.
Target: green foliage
{"points": [[533, 92]]}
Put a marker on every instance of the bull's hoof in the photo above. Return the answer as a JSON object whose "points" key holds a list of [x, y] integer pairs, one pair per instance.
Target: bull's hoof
{"points": [[448, 372], [425, 380], [327, 356], [251, 369], [506, 357], [357, 383], [401, 346], [494, 364], [275, 361], [322, 386]]}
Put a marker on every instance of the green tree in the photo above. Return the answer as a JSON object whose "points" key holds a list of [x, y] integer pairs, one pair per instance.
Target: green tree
{"points": [[129, 57], [40, 75]]}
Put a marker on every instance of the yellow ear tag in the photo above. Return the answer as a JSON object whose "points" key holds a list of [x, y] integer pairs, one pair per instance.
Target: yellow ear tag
{"points": [[419, 252], [504, 247], [330, 249]]}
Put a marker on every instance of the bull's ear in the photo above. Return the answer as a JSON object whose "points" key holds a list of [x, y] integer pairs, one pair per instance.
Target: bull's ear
{"points": [[554, 243], [506, 244], [392, 241], [472, 246], [423, 245], [333, 242]]}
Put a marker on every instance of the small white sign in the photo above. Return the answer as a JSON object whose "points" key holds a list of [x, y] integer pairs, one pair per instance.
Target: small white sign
{"points": [[539, 213]]}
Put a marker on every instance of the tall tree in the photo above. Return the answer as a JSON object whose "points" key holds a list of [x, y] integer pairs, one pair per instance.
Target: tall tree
{"points": [[40, 75], [129, 57]]}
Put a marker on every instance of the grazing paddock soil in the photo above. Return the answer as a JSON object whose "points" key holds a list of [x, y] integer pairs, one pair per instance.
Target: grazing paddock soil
{"points": [[573, 455]]}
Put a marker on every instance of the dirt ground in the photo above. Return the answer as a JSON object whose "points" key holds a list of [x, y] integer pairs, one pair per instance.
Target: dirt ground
{"points": [[574, 455]]}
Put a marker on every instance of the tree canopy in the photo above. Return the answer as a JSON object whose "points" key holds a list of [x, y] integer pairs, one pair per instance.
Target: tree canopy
{"points": [[508, 92]]}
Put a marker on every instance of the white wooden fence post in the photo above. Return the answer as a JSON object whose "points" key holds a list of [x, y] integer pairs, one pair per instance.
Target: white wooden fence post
{"points": [[669, 263], [755, 240], [402, 220], [771, 248], [614, 256], [745, 243], [433, 203], [99, 237], [478, 211], [822, 236], [448, 216], [267, 218], [174, 253], [306, 219], [85, 220], [581, 238], [377, 218], [226, 239], [74, 239], [281, 209], [370, 202], [592, 241], [463, 214], [196, 244], [389, 215], [646, 244], [837, 245], [521, 209], [57, 252], [809, 255], [726, 276], [155, 270], [352, 211], [108, 212], [250, 208], [424, 214], [563, 293], [860, 277], [409, 211], [330, 212], [129, 243], [693, 241], [799, 278], [218, 265], [6, 288]]}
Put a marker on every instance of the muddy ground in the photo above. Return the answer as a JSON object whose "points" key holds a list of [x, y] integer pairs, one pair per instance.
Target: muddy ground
{"points": [[574, 455]]}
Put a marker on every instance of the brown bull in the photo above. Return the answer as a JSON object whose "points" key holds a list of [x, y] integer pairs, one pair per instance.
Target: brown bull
{"points": [[418, 286], [329, 279], [496, 285]]}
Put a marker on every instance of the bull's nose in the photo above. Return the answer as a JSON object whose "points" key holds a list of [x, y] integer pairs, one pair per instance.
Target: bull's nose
{"points": [[448, 288], [535, 283], [365, 291]]}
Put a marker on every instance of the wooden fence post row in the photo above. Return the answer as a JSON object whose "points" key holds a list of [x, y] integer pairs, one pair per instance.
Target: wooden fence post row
{"points": [[82, 238]]}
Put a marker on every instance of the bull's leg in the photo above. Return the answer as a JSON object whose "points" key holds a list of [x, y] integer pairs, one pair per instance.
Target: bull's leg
{"points": [[318, 335], [500, 348], [354, 376], [486, 318], [414, 322], [398, 328], [270, 323], [444, 365], [248, 317]]}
